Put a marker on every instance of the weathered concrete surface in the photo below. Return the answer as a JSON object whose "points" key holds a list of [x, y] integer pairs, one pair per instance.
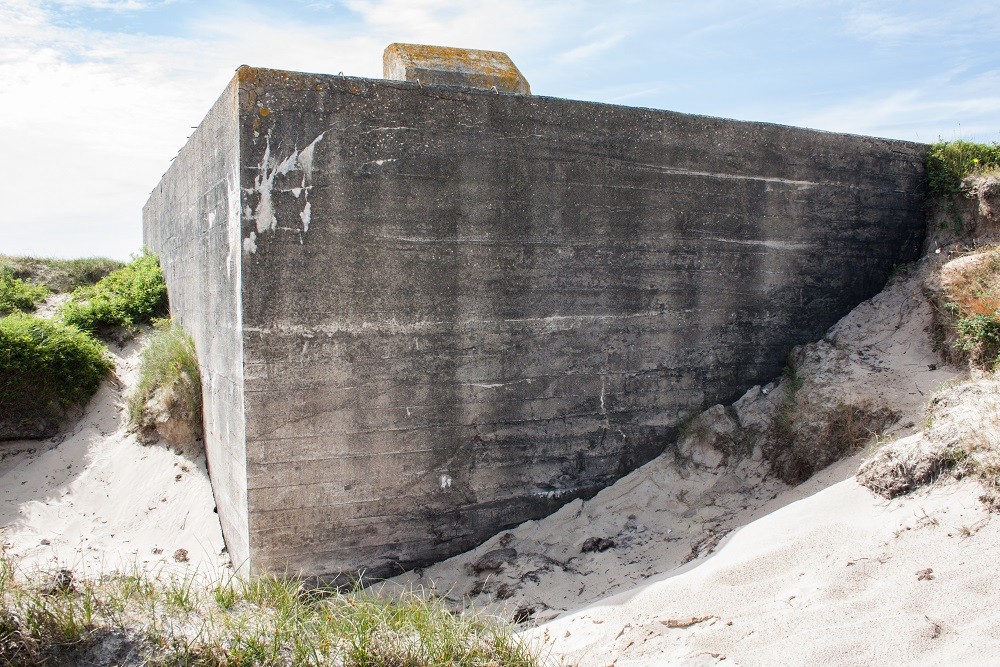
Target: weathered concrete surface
{"points": [[193, 220], [460, 310], [446, 66]]}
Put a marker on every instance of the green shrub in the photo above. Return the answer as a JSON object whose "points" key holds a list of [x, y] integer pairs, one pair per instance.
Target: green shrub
{"points": [[59, 275], [979, 336], [169, 360], [17, 295], [46, 366], [131, 295], [949, 162]]}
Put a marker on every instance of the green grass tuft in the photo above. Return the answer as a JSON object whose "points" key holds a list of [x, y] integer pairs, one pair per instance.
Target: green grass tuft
{"points": [[46, 366], [949, 162], [267, 621], [169, 361], [59, 275], [17, 295], [131, 295]]}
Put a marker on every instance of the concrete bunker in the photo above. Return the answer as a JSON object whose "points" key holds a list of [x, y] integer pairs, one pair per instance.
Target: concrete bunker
{"points": [[425, 313]]}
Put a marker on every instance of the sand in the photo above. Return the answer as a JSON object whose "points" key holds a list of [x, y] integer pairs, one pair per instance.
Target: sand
{"points": [[94, 500], [839, 577]]}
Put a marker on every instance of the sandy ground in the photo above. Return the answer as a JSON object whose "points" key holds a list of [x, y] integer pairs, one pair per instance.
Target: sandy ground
{"points": [[838, 577], [94, 500]]}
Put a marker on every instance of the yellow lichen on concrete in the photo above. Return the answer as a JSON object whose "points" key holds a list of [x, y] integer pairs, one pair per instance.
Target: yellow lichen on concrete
{"points": [[443, 65]]}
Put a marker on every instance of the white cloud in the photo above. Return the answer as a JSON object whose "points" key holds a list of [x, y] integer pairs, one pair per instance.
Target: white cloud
{"points": [[591, 49], [881, 25], [924, 113], [115, 5], [95, 117]]}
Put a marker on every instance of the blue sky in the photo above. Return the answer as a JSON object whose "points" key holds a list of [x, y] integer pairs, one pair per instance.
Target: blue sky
{"points": [[96, 96]]}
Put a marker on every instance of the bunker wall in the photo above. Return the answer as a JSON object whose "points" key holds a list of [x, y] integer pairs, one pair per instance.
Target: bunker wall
{"points": [[461, 309], [193, 222]]}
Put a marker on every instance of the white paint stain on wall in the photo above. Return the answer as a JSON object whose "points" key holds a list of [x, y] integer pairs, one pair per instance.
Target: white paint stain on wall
{"points": [[306, 214], [250, 243], [233, 220], [269, 169]]}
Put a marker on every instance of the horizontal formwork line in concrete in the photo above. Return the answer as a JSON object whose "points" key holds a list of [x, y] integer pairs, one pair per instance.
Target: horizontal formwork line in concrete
{"points": [[659, 376], [396, 164], [401, 327], [613, 405], [264, 454], [360, 532], [300, 520], [395, 161], [369, 327], [304, 552], [308, 557], [413, 380], [335, 487], [649, 245], [437, 417], [463, 392], [308, 519], [485, 442], [348, 476], [451, 378], [262, 472], [499, 424]]}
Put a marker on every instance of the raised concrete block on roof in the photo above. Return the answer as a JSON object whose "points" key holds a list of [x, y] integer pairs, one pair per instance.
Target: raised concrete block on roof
{"points": [[446, 66]]}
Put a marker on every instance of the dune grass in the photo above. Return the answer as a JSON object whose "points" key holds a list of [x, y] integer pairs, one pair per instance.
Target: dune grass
{"points": [[58, 275], [266, 621], [948, 162], [972, 307], [169, 362]]}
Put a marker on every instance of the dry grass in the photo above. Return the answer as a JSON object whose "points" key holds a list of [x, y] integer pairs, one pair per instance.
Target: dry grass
{"points": [[133, 619], [970, 313]]}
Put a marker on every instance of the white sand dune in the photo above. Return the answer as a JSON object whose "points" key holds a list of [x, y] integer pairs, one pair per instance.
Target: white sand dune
{"points": [[94, 500], [839, 577]]}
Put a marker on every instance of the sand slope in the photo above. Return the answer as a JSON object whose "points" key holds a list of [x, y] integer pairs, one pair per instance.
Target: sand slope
{"points": [[94, 500], [836, 578]]}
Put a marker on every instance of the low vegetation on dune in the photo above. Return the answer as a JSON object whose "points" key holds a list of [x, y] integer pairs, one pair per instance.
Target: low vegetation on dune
{"points": [[135, 619], [950, 162], [166, 402], [58, 275], [971, 308], [131, 295], [16, 295], [45, 367], [48, 366]]}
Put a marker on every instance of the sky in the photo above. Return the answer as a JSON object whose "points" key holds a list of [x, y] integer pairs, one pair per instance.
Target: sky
{"points": [[97, 96]]}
